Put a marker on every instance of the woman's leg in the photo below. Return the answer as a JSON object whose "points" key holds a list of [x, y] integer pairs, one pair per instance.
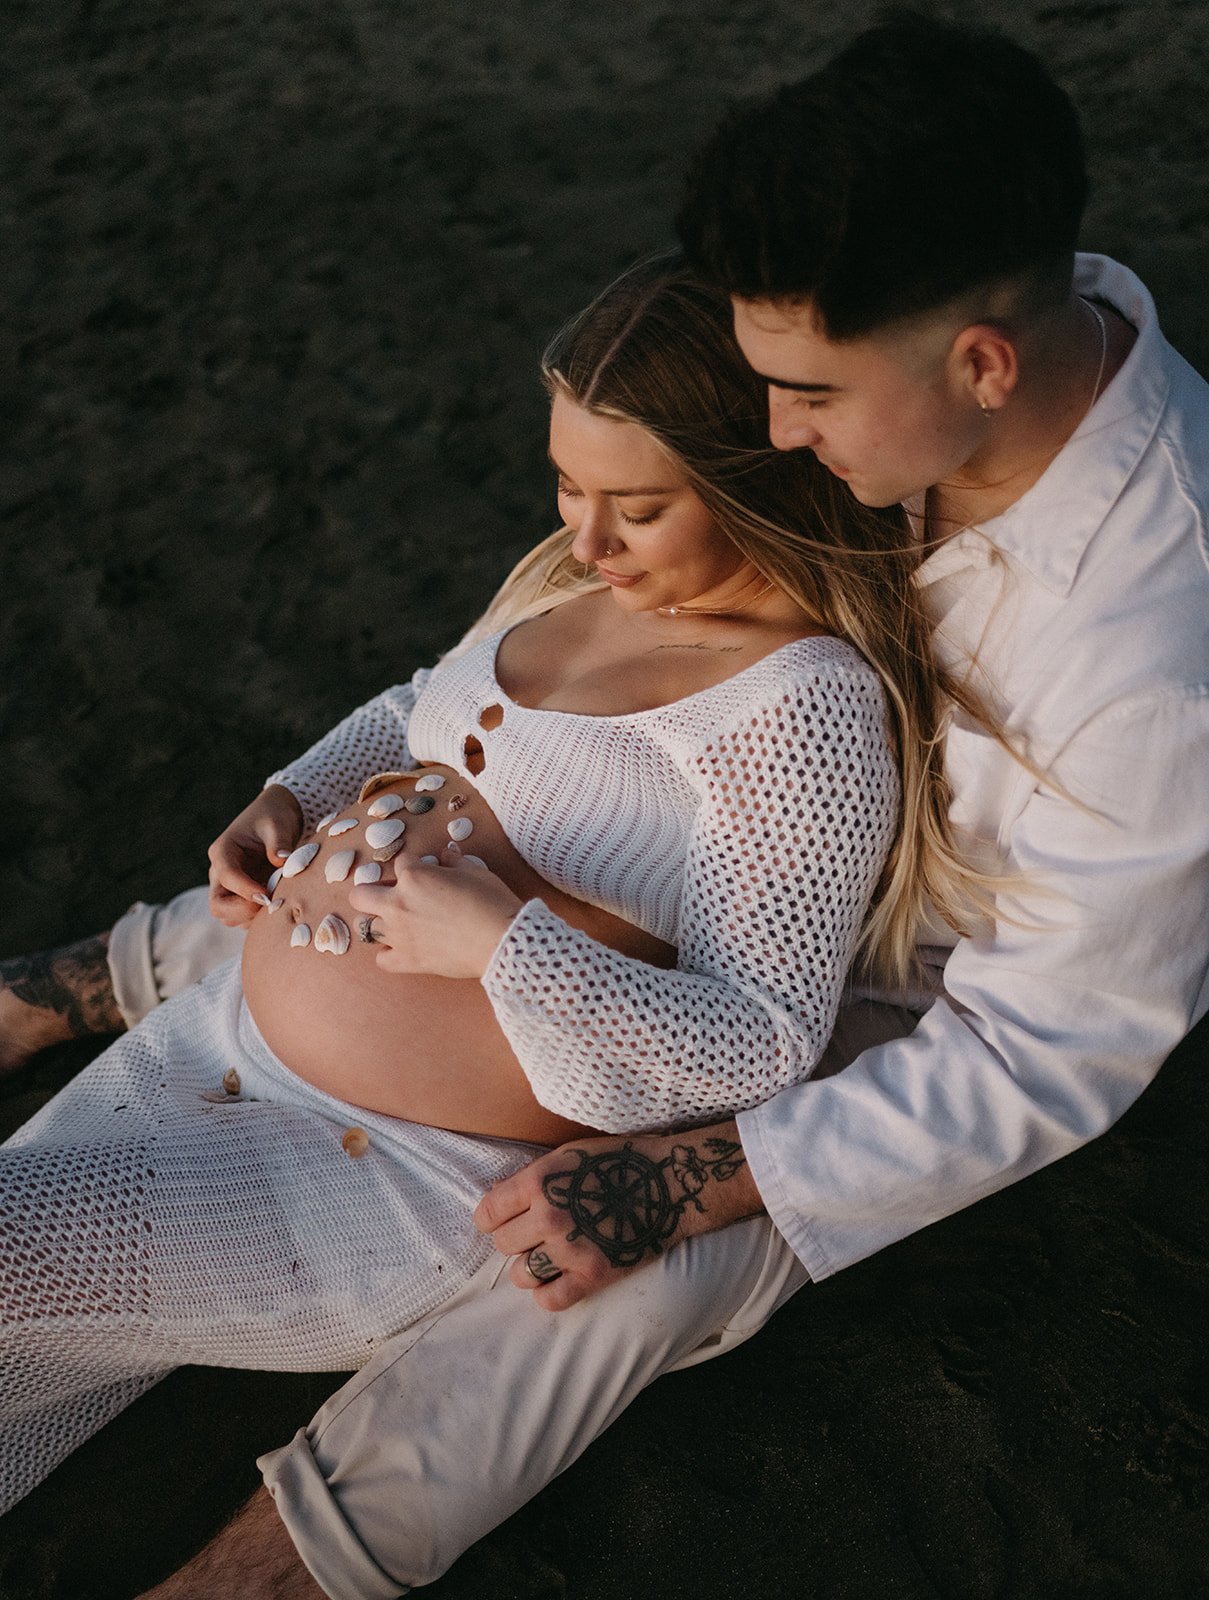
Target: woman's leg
{"points": [[147, 1221]]}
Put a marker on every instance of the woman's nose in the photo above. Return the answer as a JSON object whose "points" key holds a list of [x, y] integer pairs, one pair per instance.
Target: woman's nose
{"points": [[591, 537]]}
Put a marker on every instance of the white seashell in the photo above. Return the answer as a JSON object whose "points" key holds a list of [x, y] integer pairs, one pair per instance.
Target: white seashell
{"points": [[262, 899], [300, 936], [380, 833], [474, 861], [460, 828], [430, 861], [368, 872], [269, 905], [327, 821], [430, 780], [337, 828], [299, 860], [336, 868], [385, 805], [332, 936], [274, 880]]}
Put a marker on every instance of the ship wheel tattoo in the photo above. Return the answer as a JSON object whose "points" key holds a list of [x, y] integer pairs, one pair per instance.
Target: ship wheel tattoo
{"points": [[622, 1202]]}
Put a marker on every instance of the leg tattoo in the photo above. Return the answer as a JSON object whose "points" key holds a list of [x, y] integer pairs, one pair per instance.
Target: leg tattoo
{"points": [[627, 1205], [55, 995]]}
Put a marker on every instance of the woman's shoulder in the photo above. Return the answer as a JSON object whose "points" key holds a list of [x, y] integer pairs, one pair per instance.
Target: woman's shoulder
{"points": [[812, 670]]}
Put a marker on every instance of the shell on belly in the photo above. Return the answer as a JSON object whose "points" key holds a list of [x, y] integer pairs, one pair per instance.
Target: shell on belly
{"points": [[368, 872], [379, 834], [269, 904], [460, 828], [430, 861], [274, 880], [332, 936], [301, 936], [326, 822], [299, 860], [343, 826], [418, 804], [337, 867], [386, 805], [430, 780]]}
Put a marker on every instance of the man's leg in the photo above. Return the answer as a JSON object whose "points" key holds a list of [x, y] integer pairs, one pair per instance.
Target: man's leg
{"points": [[106, 983], [253, 1558]]}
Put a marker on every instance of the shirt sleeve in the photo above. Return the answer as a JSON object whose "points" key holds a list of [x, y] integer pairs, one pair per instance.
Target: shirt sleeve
{"points": [[1048, 1031], [798, 810], [371, 739]]}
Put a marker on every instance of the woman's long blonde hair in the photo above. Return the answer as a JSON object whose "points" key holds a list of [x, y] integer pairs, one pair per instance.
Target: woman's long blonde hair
{"points": [[657, 348]]}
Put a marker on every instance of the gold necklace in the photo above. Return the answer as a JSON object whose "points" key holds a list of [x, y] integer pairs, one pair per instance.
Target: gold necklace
{"points": [[714, 611]]}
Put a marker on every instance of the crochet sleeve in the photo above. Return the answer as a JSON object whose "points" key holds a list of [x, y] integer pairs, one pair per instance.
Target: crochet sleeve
{"points": [[798, 811], [371, 739]]}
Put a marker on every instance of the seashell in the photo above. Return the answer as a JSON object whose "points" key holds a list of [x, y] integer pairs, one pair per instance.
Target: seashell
{"points": [[299, 860], [327, 821], [460, 828], [274, 880], [385, 805], [230, 1081], [343, 826], [388, 852], [337, 867], [269, 905], [456, 802], [332, 936], [217, 1097], [355, 1142], [430, 861], [418, 804], [430, 780], [300, 936], [368, 872], [380, 833], [474, 861]]}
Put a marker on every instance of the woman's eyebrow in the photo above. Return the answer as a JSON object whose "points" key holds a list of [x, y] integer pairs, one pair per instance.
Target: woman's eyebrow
{"points": [[664, 488]]}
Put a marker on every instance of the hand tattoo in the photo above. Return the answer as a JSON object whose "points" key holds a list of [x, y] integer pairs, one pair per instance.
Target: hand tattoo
{"points": [[73, 982], [623, 1202]]}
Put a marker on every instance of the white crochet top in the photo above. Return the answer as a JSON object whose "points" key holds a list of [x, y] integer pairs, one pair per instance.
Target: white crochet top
{"points": [[746, 824]]}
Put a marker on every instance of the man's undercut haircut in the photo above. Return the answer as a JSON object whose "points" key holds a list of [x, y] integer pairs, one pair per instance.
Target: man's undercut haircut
{"points": [[925, 162]]}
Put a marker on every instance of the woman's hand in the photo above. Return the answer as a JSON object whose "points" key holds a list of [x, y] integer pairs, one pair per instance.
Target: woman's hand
{"points": [[444, 920], [244, 854], [582, 1216]]}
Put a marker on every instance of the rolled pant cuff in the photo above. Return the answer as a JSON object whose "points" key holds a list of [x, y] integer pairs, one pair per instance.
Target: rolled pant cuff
{"points": [[331, 1551], [131, 964]]}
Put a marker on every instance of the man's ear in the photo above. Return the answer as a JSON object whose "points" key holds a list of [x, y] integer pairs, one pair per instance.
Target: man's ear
{"points": [[985, 362]]}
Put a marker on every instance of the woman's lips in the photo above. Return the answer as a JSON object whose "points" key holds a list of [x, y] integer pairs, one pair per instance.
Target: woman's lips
{"points": [[619, 580]]}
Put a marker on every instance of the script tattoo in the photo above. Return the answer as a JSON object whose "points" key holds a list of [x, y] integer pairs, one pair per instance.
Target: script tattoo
{"points": [[74, 982], [628, 1205]]}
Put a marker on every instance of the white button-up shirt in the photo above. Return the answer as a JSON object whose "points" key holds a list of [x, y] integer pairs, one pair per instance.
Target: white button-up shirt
{"points": [[1086, 608]]}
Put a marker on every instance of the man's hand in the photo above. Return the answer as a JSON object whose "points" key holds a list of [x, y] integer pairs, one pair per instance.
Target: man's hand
{"points": [[244, 854], [579, 1218]]}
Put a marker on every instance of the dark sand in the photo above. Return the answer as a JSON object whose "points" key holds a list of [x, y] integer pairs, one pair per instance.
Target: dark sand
{"points": [[277, 276]]}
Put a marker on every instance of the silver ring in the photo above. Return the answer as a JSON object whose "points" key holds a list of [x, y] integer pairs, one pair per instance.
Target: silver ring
{"points": [[365, 930], [543, 1270]]}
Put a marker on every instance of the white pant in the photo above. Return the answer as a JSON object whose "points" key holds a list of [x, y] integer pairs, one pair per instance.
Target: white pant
{"points": [[466, 1415]]}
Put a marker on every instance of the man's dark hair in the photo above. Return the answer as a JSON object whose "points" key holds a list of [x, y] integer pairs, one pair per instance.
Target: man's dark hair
{"points": [[925, 160]]}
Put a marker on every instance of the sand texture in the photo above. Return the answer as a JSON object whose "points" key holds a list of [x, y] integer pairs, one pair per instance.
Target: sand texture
{"points": [[275, 278]]}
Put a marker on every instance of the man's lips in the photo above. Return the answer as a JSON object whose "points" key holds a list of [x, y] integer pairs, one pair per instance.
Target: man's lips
{"points": [[619, 580]]}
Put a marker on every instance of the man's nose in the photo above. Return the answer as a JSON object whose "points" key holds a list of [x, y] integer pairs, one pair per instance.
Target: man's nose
{"points": [[789, 426]]}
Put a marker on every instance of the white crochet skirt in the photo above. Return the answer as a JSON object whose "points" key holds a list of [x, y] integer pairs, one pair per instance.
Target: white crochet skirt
{"points": [[143, 1226]]}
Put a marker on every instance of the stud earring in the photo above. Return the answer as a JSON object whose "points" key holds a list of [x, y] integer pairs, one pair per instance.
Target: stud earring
{"points": [[983, 407]]}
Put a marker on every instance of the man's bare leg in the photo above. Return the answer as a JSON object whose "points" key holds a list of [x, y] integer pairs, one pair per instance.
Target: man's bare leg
{"points": [[253, 1558], [55, 995]]}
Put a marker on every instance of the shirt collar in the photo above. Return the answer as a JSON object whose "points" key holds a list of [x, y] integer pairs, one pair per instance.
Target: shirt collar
{"points": [[1047, 530]]}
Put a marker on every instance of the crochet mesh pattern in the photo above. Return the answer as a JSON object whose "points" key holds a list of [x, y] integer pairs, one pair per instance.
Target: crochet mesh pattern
{"points": [[142, 1225]]}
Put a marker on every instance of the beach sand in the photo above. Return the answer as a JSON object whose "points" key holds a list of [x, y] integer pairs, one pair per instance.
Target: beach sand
{"points": [[277, 278]]}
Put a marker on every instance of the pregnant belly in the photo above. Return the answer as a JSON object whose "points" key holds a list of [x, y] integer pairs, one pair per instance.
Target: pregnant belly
{"points": [[428, 1049]]}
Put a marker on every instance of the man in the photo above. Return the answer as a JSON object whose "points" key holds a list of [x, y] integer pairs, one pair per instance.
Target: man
{"points": [[897, 231]]}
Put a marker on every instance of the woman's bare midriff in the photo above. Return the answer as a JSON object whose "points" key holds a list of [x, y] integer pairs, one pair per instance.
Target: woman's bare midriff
{"points": [[428, 1049]]}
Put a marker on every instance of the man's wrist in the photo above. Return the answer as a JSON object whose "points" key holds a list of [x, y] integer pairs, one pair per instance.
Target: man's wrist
{"points": [[708, 1178]]}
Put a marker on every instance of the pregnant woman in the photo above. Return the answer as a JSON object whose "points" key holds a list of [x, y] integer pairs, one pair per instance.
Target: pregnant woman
{"points": [[605, 866]]}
